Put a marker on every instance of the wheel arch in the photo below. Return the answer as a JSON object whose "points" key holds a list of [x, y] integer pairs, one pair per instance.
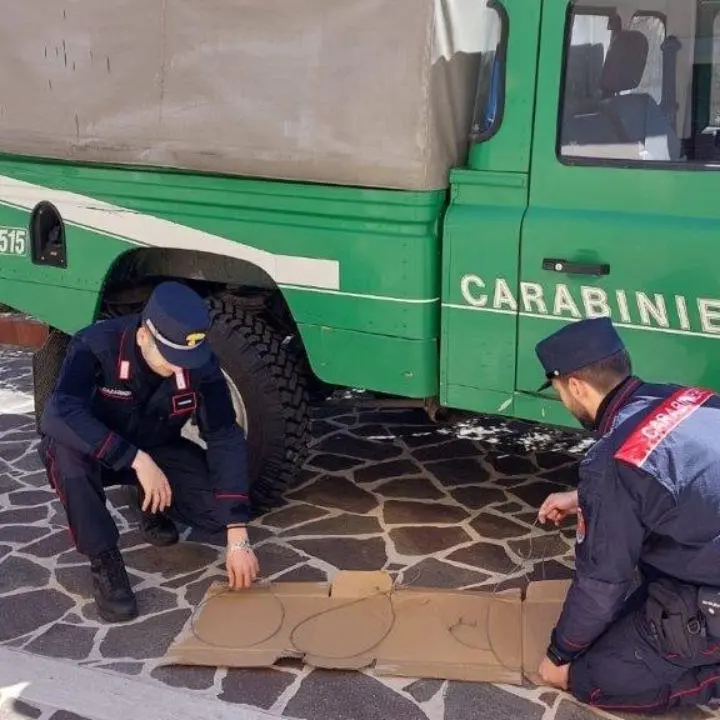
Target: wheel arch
{"points": [[132, 277]]}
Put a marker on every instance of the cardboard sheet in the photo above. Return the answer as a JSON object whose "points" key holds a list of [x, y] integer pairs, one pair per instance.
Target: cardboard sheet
{"points": [[361, 621], [541, 610]]}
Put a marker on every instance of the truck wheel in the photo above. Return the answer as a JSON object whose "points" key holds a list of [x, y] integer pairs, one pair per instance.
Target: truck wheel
{"points": [[46, 364], [270, 395]]}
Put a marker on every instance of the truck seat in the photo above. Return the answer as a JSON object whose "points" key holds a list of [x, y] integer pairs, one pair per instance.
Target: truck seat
{"points": [[624, 124]]}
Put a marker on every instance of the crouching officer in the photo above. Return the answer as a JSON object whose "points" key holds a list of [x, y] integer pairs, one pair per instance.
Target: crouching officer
{"points": [[648, 499], [126, 389]]}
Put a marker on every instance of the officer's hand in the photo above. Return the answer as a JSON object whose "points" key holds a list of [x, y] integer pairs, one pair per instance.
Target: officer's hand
{"points": [[558, 506], [155, 485], [554, 676], [242, 568]]}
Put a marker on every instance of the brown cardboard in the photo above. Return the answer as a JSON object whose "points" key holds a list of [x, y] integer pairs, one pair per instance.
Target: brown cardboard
{"points": [[541, 611], [454, 635], [362, 621]]}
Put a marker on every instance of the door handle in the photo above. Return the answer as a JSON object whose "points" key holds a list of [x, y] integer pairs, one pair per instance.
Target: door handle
{"points": [[575, 268]]}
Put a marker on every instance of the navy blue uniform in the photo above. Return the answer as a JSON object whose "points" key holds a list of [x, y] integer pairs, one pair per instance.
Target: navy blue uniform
{"points": [[108, 403], [649, 496]]}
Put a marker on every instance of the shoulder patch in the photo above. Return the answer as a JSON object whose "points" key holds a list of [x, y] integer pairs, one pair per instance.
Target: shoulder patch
{"points": [[648, 435]]}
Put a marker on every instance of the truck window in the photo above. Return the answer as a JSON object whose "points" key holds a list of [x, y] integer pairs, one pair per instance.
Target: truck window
{"points": [[490, 97], [635, 90], [715, 79], [590, 34]]}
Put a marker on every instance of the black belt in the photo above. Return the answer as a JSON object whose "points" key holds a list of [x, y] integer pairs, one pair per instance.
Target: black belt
{"points": [[708, 601], [682, 617]]}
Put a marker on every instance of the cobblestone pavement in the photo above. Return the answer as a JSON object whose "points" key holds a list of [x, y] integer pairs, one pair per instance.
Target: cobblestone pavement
{"points": [[383, 489]]}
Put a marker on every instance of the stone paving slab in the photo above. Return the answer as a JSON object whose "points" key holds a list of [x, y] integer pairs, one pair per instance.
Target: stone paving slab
{"points": [[450, 507], [46, 689]]}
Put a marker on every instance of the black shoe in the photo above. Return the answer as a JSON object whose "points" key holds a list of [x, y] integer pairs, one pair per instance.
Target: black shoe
{"points": [[157, 529], [114, 597]]}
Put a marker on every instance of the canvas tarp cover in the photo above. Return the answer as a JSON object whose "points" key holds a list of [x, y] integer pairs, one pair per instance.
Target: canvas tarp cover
{"points": [[375, 93]]}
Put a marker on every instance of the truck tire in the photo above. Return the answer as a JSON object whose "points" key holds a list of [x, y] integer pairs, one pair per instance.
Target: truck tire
{"points": [[46, 364], [267, 374]]}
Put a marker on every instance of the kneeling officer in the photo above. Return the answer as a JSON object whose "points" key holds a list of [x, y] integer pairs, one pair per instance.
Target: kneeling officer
{"points": [[648, 500], [125, 391]]}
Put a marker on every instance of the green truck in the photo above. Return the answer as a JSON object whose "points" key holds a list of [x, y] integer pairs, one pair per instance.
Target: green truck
{"points": [[402, 196]]}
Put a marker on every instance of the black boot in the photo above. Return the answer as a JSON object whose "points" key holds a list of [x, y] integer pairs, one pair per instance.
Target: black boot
{"points": [[114, 597], [157, 529]]}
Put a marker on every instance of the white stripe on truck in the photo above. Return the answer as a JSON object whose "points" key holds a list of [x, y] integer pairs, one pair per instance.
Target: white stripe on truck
{"points": [[140, 229]]}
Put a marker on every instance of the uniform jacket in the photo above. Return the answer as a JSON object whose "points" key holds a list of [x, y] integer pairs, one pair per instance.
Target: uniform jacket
{"points": [[649, 493], [108, 403]]}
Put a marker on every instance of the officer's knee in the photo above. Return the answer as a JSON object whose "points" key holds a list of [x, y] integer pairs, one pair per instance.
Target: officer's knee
{"points": [[580, 684], [616, 680], [599, 673], [66, 460], [63, 463]]}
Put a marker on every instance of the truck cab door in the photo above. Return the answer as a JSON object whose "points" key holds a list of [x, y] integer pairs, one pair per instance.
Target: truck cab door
{"points": [[623, 217], [487, 202]]}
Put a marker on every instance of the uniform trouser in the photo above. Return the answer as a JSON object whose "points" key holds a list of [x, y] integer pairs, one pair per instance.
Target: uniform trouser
{"points": [[80, 483], [628, 669]]}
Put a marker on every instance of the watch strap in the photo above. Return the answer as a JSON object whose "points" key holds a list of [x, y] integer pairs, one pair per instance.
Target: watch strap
{"points": [[554, 656]]}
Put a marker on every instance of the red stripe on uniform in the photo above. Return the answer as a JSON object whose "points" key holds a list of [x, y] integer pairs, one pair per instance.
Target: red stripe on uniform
{"points": [[53, 478], [120, 352], [574, 645], [59, 492], [660, 423], [104, 446]]}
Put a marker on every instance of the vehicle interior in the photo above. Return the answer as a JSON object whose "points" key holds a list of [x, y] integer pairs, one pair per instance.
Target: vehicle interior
{"points": [[642, 82]]}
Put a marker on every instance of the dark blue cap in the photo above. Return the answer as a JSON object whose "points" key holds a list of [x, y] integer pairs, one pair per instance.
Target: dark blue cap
{"points": [[178, 319], [576, 346]]}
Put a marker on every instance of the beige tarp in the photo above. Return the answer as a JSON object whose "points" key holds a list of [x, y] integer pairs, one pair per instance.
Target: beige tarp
{"points": [[357, 92]]}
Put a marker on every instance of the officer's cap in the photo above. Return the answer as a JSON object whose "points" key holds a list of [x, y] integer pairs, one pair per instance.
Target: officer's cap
{"points": [[178, 319], [576, 346]]}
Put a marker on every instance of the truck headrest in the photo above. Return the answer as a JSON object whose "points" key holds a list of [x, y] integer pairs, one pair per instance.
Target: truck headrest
{"points": [[625, 62]]}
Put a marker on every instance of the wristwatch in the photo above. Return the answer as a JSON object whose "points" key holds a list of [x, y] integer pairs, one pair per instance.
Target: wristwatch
{"points": [[554, 656], [240, 545]]}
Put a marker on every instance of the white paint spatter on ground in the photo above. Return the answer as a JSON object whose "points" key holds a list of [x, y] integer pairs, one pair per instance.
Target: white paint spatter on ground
{"points": [[500, 433], [525, 437], [16, 402]]}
